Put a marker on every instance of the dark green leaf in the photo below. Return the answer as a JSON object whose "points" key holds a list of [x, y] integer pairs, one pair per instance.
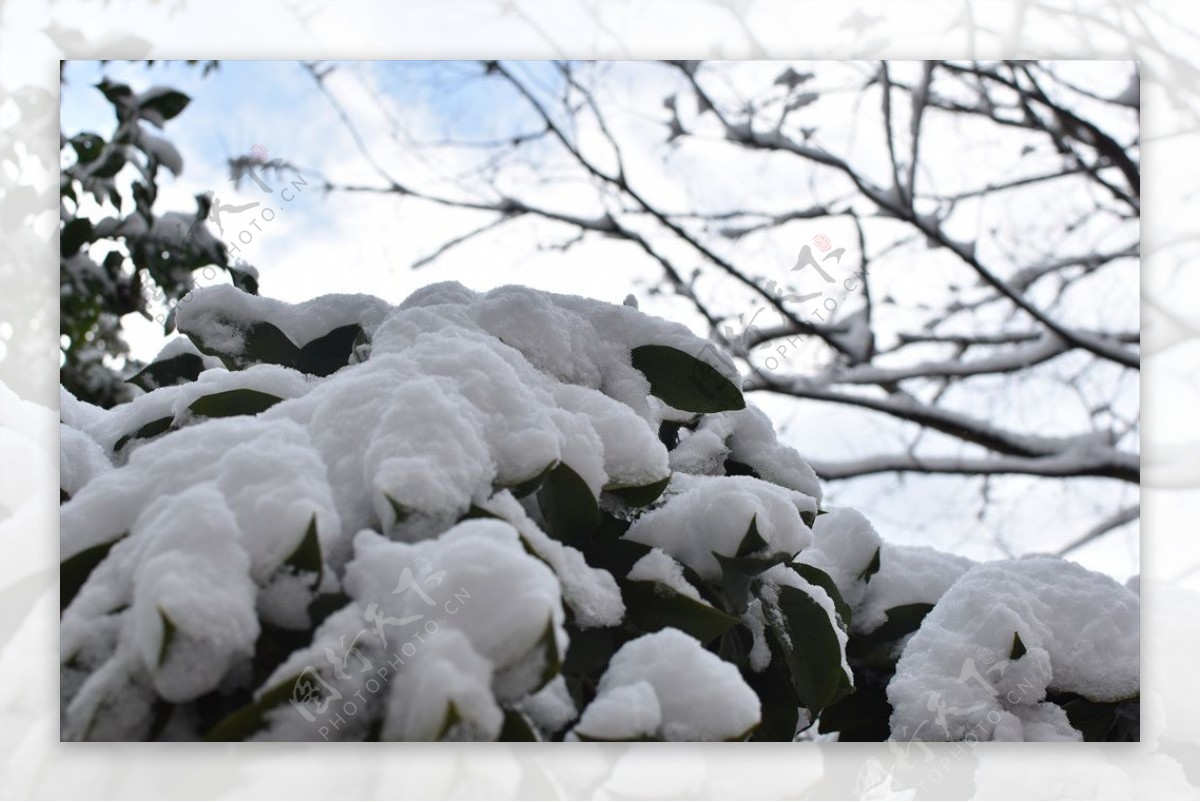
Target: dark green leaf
{"points": [[652, 606], [401, 513], [809, 643], [685, 382], [901, 620], [1104, 721], [243, 280], [749, 566], [589, 651], [245, 721], [167, 104], [567, 504], [860, 716], [75, 570], [325, 605], [816, 576], [585, 738], [643, 495], [329, 353], [87, 147], [234, 402], [176, 370], [168, 635], [115, 93], [735, 468], [110, 164], [74, 236], [449, 719], [475, 511], [517, 728], [307, 556], [151, 429], [527, 486], [550, 656], [872, 567], [1018, 648], [752, 541], [264, 342], [778, 702]]}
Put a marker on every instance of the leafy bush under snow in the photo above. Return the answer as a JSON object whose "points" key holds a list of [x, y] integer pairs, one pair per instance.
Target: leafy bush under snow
{"points": [[520, 515]]}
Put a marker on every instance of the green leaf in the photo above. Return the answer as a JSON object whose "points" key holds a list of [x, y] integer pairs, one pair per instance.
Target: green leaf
{"points": [[872, 567], [176, 370], [400, 512], [585, 738], [88, 146], [245, 721], [151, 429], [234, 402], [736, 468], [517, 728], [1118, 721], [74, 235], [567, 504], [641, 495], [589, 651], [752, 541], [475, 511], [860, 716], [264, 342], [167, 104], [75, 570], [115, 93], [553, 662], [748, 560], [243, 280], [306, 559], [449, 719], [902, 620], [1018, 648], [652, 606], [748, 566], [527, 486], [110, 164], [168, 635], [814, 656], [685, 382], [815, 576], [778, 702], [324, 355]]}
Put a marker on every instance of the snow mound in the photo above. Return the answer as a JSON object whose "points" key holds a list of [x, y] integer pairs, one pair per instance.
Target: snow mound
{"points": [[589, 345], [745, 436], [656, 566], [704, 515], [1079, 631], [219, 317], [844, 543], [907, 575], [696, 695]]}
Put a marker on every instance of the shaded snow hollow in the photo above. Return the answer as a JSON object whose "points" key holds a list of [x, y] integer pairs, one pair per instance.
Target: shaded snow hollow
{"points": [[389, 485]]}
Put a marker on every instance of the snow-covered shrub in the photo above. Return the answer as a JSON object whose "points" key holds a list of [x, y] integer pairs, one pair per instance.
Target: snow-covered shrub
{"points": [[519, 515]]}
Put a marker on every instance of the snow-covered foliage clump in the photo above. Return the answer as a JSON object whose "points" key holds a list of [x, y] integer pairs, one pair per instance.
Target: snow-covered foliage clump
{"points": [[519, 516]]}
